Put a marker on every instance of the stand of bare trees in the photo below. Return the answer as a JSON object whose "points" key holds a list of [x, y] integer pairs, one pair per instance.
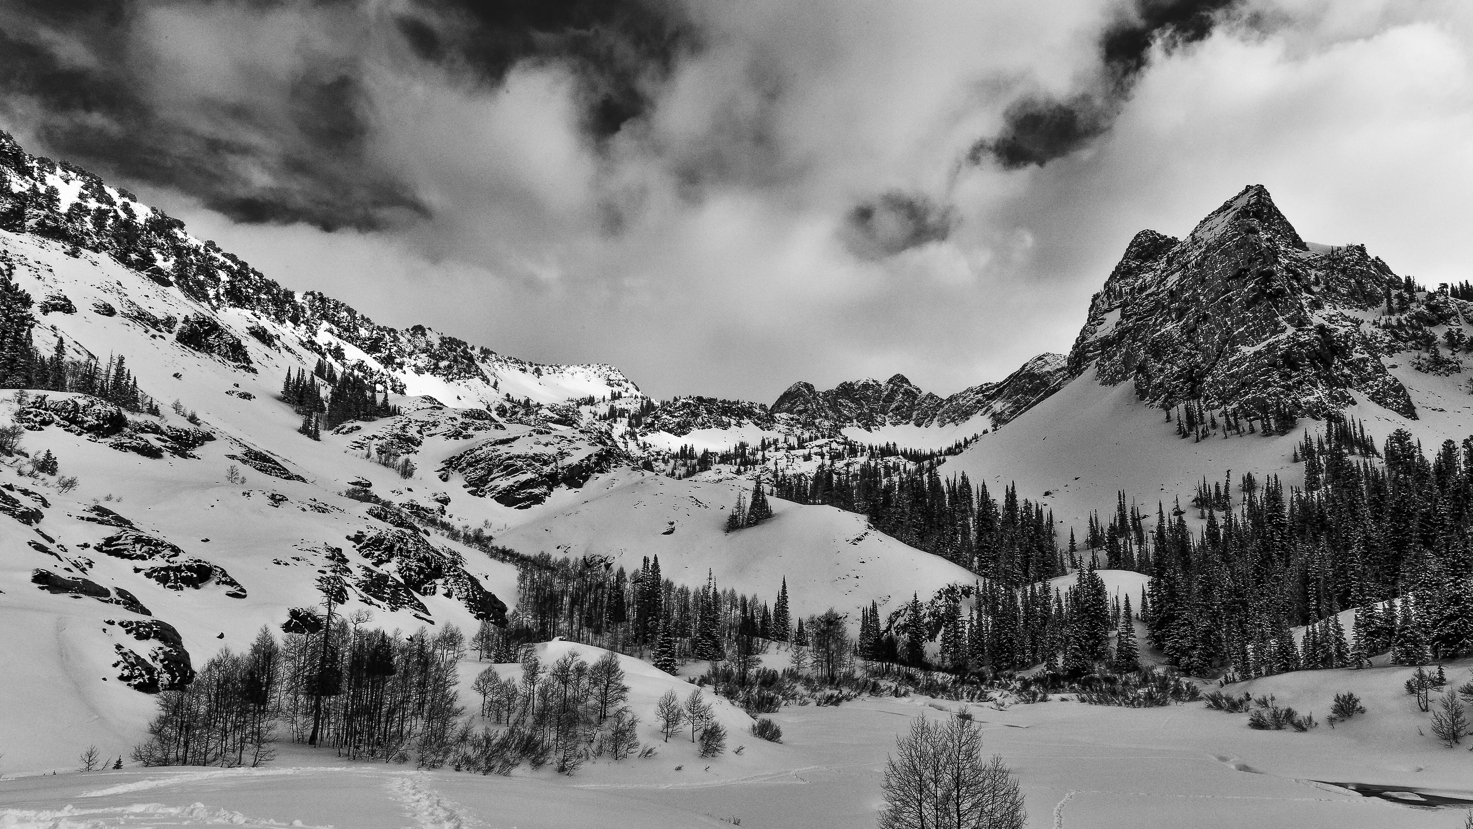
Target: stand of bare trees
{"points": [[226, 717], [372, 695], [564, 713], [369, 694]]}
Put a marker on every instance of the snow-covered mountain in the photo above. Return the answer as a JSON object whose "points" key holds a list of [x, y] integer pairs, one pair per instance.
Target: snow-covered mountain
{"points": [[61, 202], [1251, 328]]}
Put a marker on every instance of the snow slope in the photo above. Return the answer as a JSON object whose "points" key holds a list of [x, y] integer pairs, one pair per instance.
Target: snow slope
{"points": [[829, 557], [1075, 450]]}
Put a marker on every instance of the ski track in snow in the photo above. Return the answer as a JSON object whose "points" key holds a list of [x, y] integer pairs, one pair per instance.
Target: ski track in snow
{"points": [[138, 814], [766, 777], [194, 777], [426, 807], [1059, 810]]}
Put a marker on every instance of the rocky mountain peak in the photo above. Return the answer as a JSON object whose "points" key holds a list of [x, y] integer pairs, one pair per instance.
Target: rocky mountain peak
{"points": [[798, 396], [1250, 213], [899, 380], [1242, 313]]}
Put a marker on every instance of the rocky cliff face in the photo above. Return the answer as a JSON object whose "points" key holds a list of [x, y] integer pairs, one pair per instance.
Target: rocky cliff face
{"points": [[864, 403], [1244, 314], [683, 415], [1002, 401]]}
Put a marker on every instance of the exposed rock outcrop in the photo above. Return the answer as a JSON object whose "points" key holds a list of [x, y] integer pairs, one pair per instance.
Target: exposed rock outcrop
{"points": [[165, 668], [521, 471], [206, 335]]}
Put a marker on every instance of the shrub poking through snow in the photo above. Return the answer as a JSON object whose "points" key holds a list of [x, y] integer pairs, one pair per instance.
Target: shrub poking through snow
{"points": [[713, 739], [1218, 701], [1148, 688], [1346, 705], [1422, 684], [764, 728], [1268, 716], [1450, 721]]}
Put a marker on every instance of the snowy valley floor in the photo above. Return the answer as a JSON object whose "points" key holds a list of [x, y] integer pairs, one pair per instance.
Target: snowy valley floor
{"points": [[1080, 766]]}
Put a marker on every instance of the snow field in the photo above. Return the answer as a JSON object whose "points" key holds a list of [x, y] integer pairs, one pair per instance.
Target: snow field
{"points": [[1081, 767]]}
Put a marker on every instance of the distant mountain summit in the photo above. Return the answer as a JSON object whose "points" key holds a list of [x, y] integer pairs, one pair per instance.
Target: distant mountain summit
{"points": [[869, 404], [1243, 313]]}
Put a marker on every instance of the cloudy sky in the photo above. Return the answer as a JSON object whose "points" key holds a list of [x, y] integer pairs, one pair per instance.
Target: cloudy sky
{"points": [[724, 197]]}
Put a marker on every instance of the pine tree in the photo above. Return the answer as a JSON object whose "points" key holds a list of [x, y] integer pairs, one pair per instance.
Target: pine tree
{"points": [[781, 618], [664, 657], [56, 368], [758, 510], [1088, 639], [1360, 654], [651, 602], [309, 426], [953, 639], [707, 642], [1334, 635], [1410, 647], [913, 629], [1127, 653], [16, 350], [869, 632], [1285, 655], [737, 519]]}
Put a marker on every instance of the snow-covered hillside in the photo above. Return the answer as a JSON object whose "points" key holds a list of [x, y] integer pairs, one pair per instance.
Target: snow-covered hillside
{"points": [[1074, 452], [829, 557]]}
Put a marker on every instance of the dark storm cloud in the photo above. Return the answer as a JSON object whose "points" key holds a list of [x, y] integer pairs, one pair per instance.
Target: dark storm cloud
{"points": [[619, 50], [1040, 128], [75, 74], [896, 222], [285, 134]]}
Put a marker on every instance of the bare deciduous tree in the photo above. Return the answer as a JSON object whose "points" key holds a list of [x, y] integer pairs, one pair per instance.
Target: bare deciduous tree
{"points": [[606, 679], [938, 779], [670, 714], [89, 760], [697, 712]]}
